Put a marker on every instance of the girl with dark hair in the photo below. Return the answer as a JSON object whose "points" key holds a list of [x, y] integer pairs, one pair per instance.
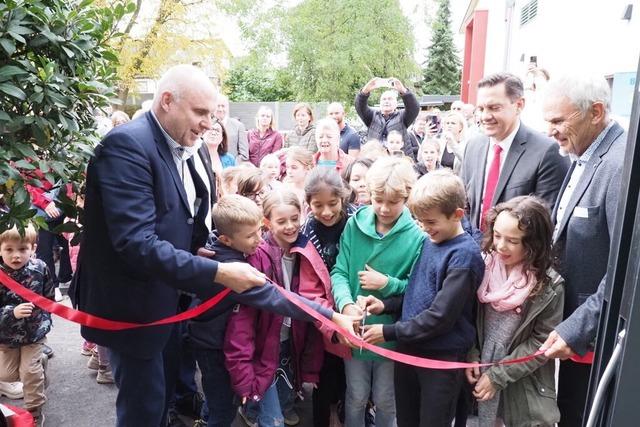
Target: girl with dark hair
{"points": [[326, 195], [216, 141], [521, 302]]}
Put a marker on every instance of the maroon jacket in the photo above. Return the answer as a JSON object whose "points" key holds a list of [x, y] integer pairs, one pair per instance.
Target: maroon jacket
{"points": [[252, 341], [261, 146]]}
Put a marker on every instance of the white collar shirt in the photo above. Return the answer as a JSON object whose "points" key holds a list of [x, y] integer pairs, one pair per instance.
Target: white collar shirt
{"points": [[505, 144]]}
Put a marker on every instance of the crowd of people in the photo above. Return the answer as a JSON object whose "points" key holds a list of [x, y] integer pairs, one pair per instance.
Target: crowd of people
{"points": [[460, 235]]}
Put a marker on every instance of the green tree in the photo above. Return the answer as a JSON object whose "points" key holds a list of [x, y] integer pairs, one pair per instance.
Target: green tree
{"points": [[247, 81], [331, 48], [177, 31], [336, 46], [442, 72], [55, 69]]}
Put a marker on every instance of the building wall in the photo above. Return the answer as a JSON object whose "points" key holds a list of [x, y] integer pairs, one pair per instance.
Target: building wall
{"points": [[567, 36]]}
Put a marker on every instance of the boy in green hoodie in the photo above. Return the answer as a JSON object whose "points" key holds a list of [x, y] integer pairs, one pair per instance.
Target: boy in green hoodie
{"points": [[378, 248]]}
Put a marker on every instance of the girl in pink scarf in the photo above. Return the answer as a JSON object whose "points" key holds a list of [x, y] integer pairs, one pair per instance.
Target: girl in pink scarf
{"points": [[521, 302]]}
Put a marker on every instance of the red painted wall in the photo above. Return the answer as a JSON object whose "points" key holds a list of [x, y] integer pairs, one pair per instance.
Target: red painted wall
{"points": [[474, 52]]}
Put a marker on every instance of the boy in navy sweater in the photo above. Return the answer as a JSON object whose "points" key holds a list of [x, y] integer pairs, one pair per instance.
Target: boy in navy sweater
{"points": [[437, 310]]}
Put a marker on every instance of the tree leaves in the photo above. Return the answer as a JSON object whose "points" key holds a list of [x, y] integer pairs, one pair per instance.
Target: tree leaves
{"points": [[332, 48], [442, 73], [56, 67], [12, 90], [9, 71]]}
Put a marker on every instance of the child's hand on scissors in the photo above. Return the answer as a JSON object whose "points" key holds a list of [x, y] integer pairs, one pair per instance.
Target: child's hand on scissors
{"points": [[371, 304], [371, 280], [373, 334]]}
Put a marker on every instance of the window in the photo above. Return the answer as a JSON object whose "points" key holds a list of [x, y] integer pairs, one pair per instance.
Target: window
{"points": [[528, 12]]}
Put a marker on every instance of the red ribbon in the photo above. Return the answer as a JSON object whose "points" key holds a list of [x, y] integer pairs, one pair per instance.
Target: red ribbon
{"points": [[22, 417], [421, 362], [97, 322]]}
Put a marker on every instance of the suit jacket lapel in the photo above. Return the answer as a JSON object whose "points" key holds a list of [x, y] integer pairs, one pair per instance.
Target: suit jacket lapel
{"points": [[203, 152], [581, 187], [516, 150], [483, 151], [165, 153], [567, 178]]}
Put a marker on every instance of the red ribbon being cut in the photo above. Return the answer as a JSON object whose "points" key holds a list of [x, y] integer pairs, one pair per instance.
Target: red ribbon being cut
{"points": [[97, 322]]}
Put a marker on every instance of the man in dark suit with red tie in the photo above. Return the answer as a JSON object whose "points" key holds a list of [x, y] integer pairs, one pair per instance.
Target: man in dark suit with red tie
{"points": [[509, 159]]}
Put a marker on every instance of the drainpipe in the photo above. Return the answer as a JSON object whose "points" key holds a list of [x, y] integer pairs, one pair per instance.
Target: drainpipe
{"points": [[508, 18]]}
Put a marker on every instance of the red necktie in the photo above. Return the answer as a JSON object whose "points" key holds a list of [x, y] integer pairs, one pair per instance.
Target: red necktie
{"points": [[492, 182]]}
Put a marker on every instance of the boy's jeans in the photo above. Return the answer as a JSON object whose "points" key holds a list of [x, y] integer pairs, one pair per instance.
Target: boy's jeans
{"points": [[216, 386], [365, 377], [269, 413]]}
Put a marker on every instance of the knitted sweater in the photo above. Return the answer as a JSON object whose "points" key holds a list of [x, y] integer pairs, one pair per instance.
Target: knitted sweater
{"points": [[438, 305]]}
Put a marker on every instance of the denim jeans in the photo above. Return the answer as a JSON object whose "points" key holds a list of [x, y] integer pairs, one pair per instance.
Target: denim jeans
{"points": [[369, 377], [216, 387], [269, 412], [284, 382]]}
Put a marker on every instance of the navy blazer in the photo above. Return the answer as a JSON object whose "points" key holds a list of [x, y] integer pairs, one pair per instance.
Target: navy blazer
{"points": [[138, 231], [533, 166]]}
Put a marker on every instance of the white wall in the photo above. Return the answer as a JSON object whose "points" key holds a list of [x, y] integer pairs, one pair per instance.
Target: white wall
{"points": [[568, 36]]}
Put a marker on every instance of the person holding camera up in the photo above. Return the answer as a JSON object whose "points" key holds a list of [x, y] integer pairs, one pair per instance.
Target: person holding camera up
{"points": [[388, 118]]}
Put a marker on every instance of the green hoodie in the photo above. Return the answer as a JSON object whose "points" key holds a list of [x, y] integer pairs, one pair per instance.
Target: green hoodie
{"points": [[393, 254]]}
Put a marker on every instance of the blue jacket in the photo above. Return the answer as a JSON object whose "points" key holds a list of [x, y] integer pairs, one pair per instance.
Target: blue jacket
{"points": [[138, 236]]}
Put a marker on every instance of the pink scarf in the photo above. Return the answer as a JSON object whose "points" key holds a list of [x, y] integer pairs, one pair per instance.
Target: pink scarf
{"points": [[502, 292]]}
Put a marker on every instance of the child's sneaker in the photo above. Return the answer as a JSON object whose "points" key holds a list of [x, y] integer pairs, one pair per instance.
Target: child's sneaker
{"points": [[291, 418], [93, 363], [247, 421], [87, 348], [104, 375], [38, 417], [11, 390]]}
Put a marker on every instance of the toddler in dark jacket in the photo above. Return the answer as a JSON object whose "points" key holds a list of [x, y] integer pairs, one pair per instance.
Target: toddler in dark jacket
{"points": [[23, 326]]}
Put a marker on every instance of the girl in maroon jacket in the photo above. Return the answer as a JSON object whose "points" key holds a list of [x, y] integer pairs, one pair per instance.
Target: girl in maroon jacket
{"points": [[269, 356]]}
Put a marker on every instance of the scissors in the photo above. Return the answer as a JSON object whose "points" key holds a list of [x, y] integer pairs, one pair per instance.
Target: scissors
{"points": [[362, 323]]}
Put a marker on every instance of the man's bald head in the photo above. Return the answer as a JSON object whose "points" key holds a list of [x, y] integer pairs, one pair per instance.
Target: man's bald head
{"points": [[184, 103], [335, 110], [180, 81]]}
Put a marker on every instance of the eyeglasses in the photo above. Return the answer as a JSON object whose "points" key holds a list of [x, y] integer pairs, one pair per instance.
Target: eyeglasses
{"points": [[255, 196]]}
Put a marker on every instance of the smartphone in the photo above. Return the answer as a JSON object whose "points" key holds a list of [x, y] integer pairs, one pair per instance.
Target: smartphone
{"points": [[384, 83]]}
